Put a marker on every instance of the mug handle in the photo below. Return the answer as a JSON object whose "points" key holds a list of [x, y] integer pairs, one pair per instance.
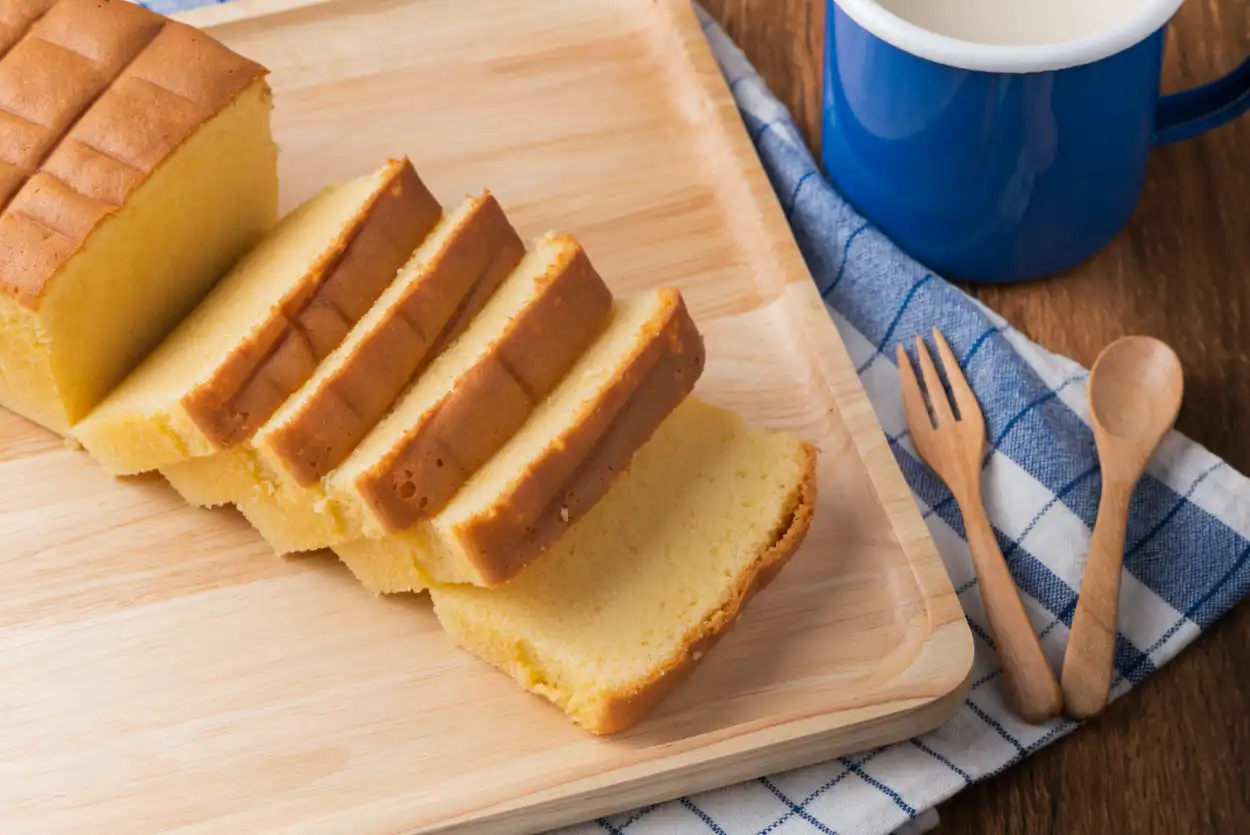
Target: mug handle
{"points": [[1186, 114]]}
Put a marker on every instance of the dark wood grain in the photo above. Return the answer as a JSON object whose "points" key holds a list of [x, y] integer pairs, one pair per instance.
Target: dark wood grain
{"points": [[1173, 756]]}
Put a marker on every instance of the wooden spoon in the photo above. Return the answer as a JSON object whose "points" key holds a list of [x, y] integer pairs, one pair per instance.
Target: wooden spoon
{"points": [[1135, 392]]}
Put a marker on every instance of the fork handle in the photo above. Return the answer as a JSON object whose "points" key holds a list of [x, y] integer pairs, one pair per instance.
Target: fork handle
{"points": [[1030, 681]]}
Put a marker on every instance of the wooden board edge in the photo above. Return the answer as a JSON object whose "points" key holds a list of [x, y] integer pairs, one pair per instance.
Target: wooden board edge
{"points": [[806, 743], [830, 357]]}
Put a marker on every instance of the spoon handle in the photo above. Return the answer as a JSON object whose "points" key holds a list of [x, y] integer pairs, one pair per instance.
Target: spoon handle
{"points": [[1088, 662], [1030, 681]]}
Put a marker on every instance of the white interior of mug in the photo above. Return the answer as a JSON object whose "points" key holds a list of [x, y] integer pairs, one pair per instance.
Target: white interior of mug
{"points": [[1024, 45]]}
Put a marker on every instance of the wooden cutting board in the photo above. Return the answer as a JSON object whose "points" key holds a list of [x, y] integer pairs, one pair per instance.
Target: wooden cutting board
{"points": [[161, 670]]}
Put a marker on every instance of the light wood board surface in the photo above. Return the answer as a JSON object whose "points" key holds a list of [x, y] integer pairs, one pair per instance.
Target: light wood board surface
{"points": [[161, 671]]}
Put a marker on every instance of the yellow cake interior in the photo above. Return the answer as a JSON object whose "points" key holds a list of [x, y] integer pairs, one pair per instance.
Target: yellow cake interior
{"points": [[217, 479], [431, 551], [142, 424], [143, 268], [625, 591]]}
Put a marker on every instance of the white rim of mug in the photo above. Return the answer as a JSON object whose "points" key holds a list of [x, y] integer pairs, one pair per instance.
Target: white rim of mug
{"points": [[969, 55]]}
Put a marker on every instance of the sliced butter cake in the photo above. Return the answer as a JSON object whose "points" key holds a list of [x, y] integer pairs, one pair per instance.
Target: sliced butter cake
{"points": [[464, 406], [261, 332], [436, 294], [136, 167], [627, 602], [561, 462], [478, 393]]}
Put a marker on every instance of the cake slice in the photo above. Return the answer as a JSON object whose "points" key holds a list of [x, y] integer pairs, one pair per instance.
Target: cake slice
{"points": [[634, 595], [436, 294], [441, 290], [261, 332], [136, 166], [558, 466], [465, 405], [478, 393]]}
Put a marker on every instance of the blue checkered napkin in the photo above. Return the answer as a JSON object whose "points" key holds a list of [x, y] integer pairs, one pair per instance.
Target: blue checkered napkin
{"points": [[169, 7], [1188, 558]]}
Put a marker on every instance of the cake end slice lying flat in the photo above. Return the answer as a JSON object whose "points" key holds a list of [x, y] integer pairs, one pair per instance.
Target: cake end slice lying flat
{"points": [[560, 463], [259, 335], [625, 604]]}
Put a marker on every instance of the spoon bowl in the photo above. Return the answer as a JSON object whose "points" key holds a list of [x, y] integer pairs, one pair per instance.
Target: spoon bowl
{"points": [[1135, 389]]}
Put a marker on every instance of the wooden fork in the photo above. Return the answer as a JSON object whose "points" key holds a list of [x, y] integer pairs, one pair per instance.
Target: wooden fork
{"points": [[952, 446]]}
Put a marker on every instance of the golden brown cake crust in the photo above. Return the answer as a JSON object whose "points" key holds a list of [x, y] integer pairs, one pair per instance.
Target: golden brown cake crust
{"points": [[492, 400], [564, 484], [316, 315], [626, 708], [93, 97], [16, 17], [434, 311]]}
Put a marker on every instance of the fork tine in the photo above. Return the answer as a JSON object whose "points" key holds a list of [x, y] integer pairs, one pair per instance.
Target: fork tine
{"points": [[969, 408], [942, 414], [913, 398]]}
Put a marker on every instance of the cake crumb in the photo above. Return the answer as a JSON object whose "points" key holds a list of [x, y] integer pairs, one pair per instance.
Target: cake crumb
{"points": [[564, 513], [698, 655]]}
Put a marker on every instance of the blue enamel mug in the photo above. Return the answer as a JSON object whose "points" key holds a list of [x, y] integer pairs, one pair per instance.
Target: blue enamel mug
{"points": [[993, 162]]}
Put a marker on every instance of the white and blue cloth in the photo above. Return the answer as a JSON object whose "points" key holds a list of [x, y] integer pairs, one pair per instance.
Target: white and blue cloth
{"points": [[1187, 555]]}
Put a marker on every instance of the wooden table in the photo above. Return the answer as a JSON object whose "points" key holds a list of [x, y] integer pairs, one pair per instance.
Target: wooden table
{"points": [[1173, 756]]}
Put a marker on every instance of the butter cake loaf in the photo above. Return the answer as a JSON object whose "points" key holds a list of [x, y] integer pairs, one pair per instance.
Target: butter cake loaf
{"points": [[262, 331], [558, 466], [465, 405], [436, 294], [632, 597], [136, 166]]}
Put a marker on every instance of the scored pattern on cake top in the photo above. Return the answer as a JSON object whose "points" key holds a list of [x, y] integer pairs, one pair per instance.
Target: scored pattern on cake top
{"points": [[94, 95], [16, 16]]}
